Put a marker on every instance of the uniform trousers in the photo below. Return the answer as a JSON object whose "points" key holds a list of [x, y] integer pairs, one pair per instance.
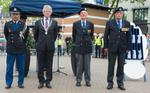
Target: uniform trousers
{"points": [[111, 64], [83, 66], [11, 57], [97, 51]]}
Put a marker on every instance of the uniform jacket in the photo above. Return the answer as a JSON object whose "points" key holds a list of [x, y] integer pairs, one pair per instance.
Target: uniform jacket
{"points": [[83, 40], [115, 39], [14, 37], [45, 42]]}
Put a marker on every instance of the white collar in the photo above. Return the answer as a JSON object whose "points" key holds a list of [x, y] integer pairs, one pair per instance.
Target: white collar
{"points": [[45, 18], [16, 21], [119, 20], [83, 21]]}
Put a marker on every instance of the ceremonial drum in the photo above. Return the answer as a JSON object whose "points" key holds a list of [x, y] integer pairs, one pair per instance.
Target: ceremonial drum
{"points": [[134, 67]]}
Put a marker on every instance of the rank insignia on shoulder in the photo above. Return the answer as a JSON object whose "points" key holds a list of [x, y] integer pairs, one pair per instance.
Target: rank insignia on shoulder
{"points": [[125, 29]]}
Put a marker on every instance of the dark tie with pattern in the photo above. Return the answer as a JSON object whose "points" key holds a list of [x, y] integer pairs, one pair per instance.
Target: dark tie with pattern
{"points": [[46, 22]]}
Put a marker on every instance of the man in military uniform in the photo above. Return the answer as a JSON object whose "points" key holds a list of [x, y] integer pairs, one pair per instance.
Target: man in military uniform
{"points": [[82, 38], [117, 41], [13, 31], [45, 36]]}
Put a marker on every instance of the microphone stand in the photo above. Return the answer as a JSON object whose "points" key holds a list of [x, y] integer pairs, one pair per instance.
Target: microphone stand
{"points": [[58, 68]]}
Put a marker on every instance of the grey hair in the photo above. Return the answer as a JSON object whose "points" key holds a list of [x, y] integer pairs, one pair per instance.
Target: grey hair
{"points": [[47, 7]]}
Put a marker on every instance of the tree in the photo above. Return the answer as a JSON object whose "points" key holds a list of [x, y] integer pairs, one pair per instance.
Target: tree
{"points": [[114, 4], [5, 6]]}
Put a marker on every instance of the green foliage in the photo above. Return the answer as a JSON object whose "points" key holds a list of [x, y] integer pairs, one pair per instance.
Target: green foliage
{"points": [[0, 2], [114, 4], [5, 6], [29, 42], [71, 46], [106, 2]]}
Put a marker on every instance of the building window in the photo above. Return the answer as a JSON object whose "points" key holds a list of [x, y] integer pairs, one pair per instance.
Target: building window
{"points": [[140, 14]]}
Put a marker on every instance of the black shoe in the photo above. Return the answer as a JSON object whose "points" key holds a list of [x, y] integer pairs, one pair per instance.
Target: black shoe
{"points": [[110, 86], [40, 85], [88, 84], [20, 86], [48, 85], [121, 87], [78, 84], [7, 87]]}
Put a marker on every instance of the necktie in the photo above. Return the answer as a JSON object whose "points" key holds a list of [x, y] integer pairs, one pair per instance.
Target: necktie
{"points": [[46, 22], [119, 24], [83, 26], [14, 26]]}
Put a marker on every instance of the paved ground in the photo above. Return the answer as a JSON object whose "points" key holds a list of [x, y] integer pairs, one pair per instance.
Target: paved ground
{"points": [[66, 84]]}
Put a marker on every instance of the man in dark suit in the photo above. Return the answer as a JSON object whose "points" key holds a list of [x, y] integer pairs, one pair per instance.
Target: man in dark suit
{"points": [[13, 31], [82, 38], [45, 35], [117, 41]]}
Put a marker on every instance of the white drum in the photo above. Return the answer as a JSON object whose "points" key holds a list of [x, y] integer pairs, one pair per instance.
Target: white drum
{"points": [[134, 69]]}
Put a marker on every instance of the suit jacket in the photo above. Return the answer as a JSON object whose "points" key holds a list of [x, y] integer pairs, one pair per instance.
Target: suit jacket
{"points": [[83, 39], [45, 42], [116, 39], [15, 38]]}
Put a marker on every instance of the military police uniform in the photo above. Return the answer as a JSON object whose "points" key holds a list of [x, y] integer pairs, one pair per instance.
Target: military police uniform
{"points": [[117, 38], [13, 31]]}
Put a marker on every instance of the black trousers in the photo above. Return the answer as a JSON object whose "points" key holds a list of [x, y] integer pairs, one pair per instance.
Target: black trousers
{"points": [[74, 62], [27, 63], [59, 52], [104, 54], [45, 63], [67, 49], [97, 51], [111, 64]]}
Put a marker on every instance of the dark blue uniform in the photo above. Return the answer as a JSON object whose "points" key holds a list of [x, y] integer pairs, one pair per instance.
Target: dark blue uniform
{"points": [[82, 38], [117, 41], [15, 50]]}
